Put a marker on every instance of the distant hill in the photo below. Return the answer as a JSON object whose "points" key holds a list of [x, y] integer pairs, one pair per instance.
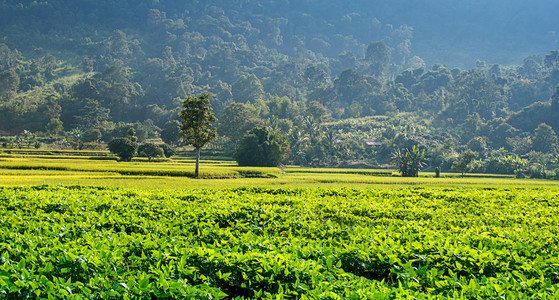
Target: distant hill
{"points": [[434, 71], [456, 33]]}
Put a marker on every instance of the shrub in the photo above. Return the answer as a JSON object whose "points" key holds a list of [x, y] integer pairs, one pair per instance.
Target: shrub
{"points": [[125, 148], [92, 135], [150, 150], [168, 151], [262, 147]]}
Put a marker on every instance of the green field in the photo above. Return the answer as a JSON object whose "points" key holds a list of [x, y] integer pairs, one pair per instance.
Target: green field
{"points": [[424, 243], [99, 169], [75, 226]]}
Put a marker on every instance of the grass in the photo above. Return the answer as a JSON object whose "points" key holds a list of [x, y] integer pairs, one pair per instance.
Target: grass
{"points": [[373, 172], [73, 168], [52, 152], [184, 168]]}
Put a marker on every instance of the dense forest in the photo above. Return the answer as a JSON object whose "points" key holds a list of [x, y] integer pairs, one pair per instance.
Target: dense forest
{"points": [[326, 76]]}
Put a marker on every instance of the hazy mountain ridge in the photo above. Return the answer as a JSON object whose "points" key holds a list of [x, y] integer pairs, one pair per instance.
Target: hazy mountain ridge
{"points": [[497, 31]]}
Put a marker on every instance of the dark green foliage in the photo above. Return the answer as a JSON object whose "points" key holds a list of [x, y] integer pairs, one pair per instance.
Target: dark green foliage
{"points": [[479, 145], [168, 150], [9, 84], [140, 131], [127, 64], [171, 133], [236, 120], [91, 114], [378, 57], [92, 135], [247, 88], [112, 89], [197, 124], [125, 148], [132, 135], [54, 126], [524, 92], [150, 150], [555, 99], [462, 164], [531, 116], [545, 139], [262, 147], [503, 164], [353, 87], [554, 115], [316, 110], [8, 58]]}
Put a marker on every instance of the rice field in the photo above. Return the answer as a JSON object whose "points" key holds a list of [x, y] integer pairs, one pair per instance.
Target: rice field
{"points": [[98, 168]]}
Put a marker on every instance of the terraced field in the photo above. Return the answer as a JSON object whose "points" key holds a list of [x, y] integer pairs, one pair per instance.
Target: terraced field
{"points": [[99, 169]]}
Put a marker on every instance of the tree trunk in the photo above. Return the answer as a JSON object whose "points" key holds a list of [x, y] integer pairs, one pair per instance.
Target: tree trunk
{"points": [[196, 171]]}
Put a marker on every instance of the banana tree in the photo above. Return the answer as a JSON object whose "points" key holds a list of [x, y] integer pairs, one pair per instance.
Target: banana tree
{"points": [[409, 160]]}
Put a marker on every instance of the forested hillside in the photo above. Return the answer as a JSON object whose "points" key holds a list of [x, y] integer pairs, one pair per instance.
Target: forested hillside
{"points": [[324, 74]]}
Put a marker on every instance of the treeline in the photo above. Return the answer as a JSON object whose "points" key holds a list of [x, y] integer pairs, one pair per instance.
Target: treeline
{"points": [[304, 73]]}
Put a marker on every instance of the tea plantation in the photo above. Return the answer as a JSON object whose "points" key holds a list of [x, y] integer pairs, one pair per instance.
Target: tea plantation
{"points": [[79, 242]]}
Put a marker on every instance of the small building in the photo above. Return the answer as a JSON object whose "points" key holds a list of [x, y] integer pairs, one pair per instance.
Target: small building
{"points": [[372, 142]]}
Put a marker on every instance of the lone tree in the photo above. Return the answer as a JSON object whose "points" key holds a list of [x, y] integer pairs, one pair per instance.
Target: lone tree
{"points": [[464, 160], [196, 128]]}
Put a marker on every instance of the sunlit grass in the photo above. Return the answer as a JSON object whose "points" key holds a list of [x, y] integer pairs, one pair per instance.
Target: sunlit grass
{"points": [[374, 172], [171, 168], [176, 174], [286, 180]]}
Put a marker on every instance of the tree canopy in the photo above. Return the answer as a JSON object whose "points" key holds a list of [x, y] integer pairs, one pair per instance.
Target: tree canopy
{"points": [[197, 127], [262, 147]]}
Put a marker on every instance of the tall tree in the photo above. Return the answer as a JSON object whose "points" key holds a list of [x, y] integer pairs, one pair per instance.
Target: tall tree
{"points": [[197, 128], [462, 164], [544, 139], [171, 133], [9, 82], [378, 57], [236, 120]]}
